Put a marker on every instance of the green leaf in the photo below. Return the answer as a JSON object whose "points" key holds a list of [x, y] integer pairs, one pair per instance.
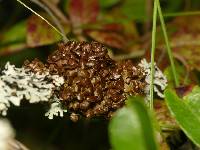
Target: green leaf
{"points": [[181, 72], [108, 3], [185, 115], [170, 6], [131, 128], [16, 34], [12, 48], [193, 100], [134, 9], [39, 33]]}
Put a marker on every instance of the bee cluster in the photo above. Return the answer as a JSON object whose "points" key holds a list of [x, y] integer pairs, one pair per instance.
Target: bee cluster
{"points": [[94, 84]]}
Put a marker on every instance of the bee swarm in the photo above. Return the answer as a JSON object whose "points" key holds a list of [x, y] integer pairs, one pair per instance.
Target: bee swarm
{"points": [[94, 84], [78, 77]]}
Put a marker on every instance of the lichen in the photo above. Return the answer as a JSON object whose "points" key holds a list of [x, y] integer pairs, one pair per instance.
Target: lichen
{"points": [[160, 80], [56, 109], [17, 84]]}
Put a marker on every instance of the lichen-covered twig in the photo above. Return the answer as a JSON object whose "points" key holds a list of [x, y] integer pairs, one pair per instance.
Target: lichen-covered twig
{"points": [[81, 77]]}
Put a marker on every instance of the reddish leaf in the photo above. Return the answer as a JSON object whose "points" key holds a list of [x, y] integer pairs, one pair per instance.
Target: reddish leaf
{"points": [[40, 33], [184, 90], [111, 39], [83, 11], [118, 35], [112, 27]]}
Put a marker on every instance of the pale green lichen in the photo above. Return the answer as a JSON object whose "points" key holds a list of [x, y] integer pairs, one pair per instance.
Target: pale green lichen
{"points": [[17, 84], [160, 80]]}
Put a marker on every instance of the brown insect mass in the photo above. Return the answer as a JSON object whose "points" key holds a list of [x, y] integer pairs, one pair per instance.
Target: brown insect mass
{"points": [[95, 85]]}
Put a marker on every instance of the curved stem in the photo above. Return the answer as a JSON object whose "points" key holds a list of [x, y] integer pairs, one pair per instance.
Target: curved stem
{"points": [[55, 20], [64, 37], [169, 51]]}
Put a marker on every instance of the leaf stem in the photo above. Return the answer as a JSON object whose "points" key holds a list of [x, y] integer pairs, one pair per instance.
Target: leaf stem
{"points": [[169, 51], [54, 19], [187, 13], [64, 37], [153, 53]]}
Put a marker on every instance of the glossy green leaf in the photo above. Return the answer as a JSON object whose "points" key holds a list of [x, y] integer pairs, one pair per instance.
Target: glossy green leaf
{"points": [[193, 100], [185, 115], [131, 128]]}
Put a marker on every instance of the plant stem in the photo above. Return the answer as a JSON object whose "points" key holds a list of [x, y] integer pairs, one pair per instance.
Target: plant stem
{"points": [[55, 20], [189, 13], [64, 37], [153, 53], [169, 51]]}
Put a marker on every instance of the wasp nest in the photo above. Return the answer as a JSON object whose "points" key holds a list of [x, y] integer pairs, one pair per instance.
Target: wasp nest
{"points": [[95, 85]]}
